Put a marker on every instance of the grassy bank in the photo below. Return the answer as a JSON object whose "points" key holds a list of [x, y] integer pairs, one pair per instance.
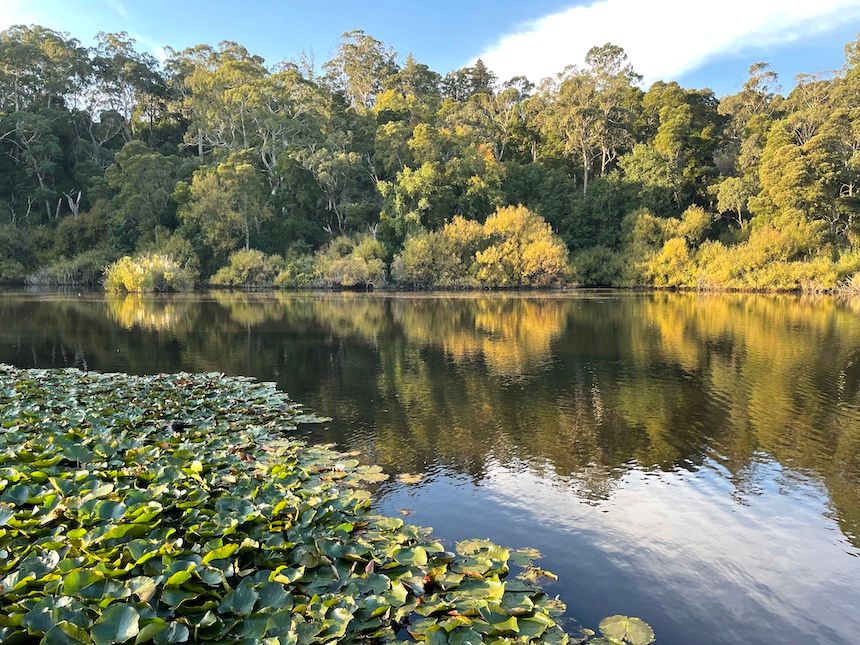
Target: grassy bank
{"points": [[176, 508]]}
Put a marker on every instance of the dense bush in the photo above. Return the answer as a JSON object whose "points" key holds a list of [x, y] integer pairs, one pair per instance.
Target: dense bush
{"points": [[86, 269], [175, 246], [513, 248], [249, 269], [521, 251], [598, 266], [348, 262], [299, 271], [442, 258], [784, 253], [148, 273], [14, 254], [75, 235]]}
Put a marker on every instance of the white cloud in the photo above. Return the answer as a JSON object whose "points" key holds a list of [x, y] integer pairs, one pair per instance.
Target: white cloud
{"points": [[663, 38]]}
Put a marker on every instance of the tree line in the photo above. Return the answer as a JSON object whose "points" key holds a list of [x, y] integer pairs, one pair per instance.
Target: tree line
{"points": [[374, 168]]}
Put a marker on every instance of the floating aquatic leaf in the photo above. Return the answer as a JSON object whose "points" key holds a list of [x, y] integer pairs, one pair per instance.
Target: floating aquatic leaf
{"points": [[627, 629], [533, 574], [178, 508], [410, 478], [524, 557], [117, 624]]}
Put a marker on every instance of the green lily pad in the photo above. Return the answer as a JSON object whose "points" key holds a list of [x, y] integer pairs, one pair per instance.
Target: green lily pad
{"points": [[627, 629], [117, 624], [180, 508]]}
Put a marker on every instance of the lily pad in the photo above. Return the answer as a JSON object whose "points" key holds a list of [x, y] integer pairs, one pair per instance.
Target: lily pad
{"points": [[176, 508], [627, 629]]}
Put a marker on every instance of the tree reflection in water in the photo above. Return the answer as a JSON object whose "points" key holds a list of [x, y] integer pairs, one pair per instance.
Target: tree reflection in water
{"points": [[590, 394]]}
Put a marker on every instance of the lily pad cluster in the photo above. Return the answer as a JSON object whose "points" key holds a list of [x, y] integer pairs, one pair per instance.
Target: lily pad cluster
{"points": [[176, 508]]}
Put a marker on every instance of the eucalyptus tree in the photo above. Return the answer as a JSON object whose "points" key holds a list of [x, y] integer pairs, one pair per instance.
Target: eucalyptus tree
{"points": [[40, 68], [41, 73], [361, 69], [618, 101], [124, 79], [226, 202], [589, 112]]}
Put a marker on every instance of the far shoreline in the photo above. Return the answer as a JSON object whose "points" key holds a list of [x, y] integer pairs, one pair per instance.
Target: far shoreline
{"points": [[21, 287]]}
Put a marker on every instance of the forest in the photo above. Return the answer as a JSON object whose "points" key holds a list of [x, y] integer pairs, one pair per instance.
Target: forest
{"points": [[371, 169]]}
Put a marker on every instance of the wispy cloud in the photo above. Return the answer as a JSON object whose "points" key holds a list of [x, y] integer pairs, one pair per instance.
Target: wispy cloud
{"points": [[663, 38], [119, 7], [157, 49]]}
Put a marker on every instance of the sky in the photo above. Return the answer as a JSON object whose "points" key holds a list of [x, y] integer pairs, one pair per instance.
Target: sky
{"points": [[696, 43]]}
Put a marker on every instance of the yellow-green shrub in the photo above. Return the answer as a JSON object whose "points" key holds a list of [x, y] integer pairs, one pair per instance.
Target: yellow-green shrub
{"points": [[513, 248], [673, 266], [348, 262], [694, 225], [299, 271], [249, 268], [442, 258], [148, 273], [522, 251]]}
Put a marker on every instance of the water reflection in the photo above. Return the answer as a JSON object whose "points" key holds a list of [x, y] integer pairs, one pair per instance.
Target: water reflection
{"points": [[695, 458]]}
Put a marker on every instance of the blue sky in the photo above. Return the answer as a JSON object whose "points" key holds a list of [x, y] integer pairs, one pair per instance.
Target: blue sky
{"points": [[666, 39]]}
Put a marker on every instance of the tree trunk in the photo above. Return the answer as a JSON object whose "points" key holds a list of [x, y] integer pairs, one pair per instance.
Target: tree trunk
{"points": [[584, 172]]}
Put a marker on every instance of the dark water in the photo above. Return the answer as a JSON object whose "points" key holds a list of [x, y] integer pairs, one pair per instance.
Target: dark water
{"points": [[693, 460]]}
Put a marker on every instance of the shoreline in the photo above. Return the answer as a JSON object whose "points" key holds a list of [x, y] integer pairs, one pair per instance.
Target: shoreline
{"points": [[21, 287]]}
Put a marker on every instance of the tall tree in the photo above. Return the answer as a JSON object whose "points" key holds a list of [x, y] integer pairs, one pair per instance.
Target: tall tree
{"points": [[361, 69]]}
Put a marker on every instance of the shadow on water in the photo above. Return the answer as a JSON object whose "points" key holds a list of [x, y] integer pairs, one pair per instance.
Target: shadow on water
{"points": [[692, 459]]}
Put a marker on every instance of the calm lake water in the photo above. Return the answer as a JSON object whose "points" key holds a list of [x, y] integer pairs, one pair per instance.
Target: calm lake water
{"points": [[690, 459]]}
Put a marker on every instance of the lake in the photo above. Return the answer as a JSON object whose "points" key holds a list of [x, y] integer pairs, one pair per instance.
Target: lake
{"points": [[690, 459]]}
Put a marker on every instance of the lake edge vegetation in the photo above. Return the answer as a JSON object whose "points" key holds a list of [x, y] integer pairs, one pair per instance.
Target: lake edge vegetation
{"points": [[176, 508], [373, 170]]}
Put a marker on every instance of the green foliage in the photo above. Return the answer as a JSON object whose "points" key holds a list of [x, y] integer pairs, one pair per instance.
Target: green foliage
{"points": [[598, 266], [348, 262], [249, 269], [450, 174], [226, 202], [147, 273], [513, 248], [15, 254], [299, 271], [85, 269], [221, 151], [142, 183], [157, 508], [74, 235], [441, 258]]}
